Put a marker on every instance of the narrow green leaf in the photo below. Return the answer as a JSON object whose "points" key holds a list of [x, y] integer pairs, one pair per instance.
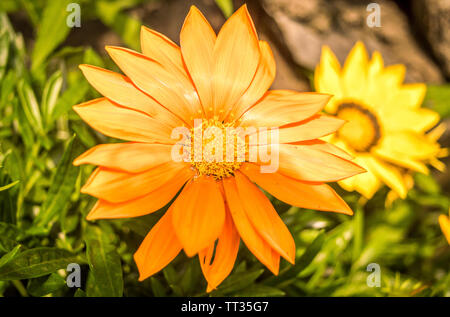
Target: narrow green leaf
{"points": [[44, 285], [52, 31], [4, 52], [36, 262], [104, 262], [30, 105], [259, 291], [50, 96], [6, 187], [301, 263], [226, 6], [9, 234], [239, 281], [62, 184], [10, 255]]}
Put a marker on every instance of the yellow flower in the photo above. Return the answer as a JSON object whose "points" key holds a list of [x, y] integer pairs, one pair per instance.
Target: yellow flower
{"points": [[444, 222], [385, 129]]}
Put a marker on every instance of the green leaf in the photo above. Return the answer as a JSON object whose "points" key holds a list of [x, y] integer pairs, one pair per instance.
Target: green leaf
{"points": [[259, 291], [301, 263], [104, 262], [437, 98], [10, 255], [62, 184], [50, 96], [30, 106], [73, 95], [239, 281], [6, 187], [36, 262], [4, 52], [52, 31], [44, 285], [226, 6], [9, 234]]}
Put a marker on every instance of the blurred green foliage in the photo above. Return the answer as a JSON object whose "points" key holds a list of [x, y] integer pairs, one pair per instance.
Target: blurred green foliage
{"points": [[42, 213]]}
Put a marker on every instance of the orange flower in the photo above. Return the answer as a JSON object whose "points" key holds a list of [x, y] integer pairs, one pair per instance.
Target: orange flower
{"points": [[222, 80]]}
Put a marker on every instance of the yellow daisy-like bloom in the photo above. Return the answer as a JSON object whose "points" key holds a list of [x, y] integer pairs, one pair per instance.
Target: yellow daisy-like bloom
{"points": [[444, 222], [385, 129], [222, 81]]}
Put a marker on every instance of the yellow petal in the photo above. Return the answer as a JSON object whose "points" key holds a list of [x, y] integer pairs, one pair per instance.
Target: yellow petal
{"points": [[389, 174], [297, 193], [252, 239], [122, 123], [158, 249], [444, 222], [236, 56], [199, 214], [407, 144], [397, 118], [354, 73], [367, 184], [197, 45], [327, 78]]}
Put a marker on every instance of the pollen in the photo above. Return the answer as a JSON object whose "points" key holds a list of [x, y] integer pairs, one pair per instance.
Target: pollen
{"points": [[216, 149], [362, 130]]}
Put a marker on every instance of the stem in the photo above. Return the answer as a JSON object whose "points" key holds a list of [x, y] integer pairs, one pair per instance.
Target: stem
{"points": [[20, 288]]}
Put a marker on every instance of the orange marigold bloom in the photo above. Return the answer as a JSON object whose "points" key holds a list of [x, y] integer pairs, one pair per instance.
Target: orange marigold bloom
{"points": [[222, 80]]}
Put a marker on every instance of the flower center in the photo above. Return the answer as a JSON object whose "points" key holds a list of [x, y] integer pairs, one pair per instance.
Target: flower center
{"points": [[216, 148], [362, 130]]}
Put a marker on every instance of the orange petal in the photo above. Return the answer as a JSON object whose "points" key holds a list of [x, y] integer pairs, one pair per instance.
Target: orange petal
{"points": [[311, 164], [265, 74], [126, 157], [199, 214], [163, 50], [236, 56], [197, 40], [326, 147], [265, 218], [252, 239], [171, 90], [297, 193], [122, 123], [225, 253], [158, 249], [121, 90], [116, 187], [315, 127], [281, 107], [149, 203]]}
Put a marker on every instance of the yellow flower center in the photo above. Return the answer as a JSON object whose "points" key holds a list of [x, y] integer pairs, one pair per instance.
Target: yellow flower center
{"points": [[216, 149], [362, 130]]}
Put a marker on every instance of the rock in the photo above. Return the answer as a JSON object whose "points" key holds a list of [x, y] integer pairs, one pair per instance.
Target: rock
{"points": [[433, 21], [304, 26]]}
